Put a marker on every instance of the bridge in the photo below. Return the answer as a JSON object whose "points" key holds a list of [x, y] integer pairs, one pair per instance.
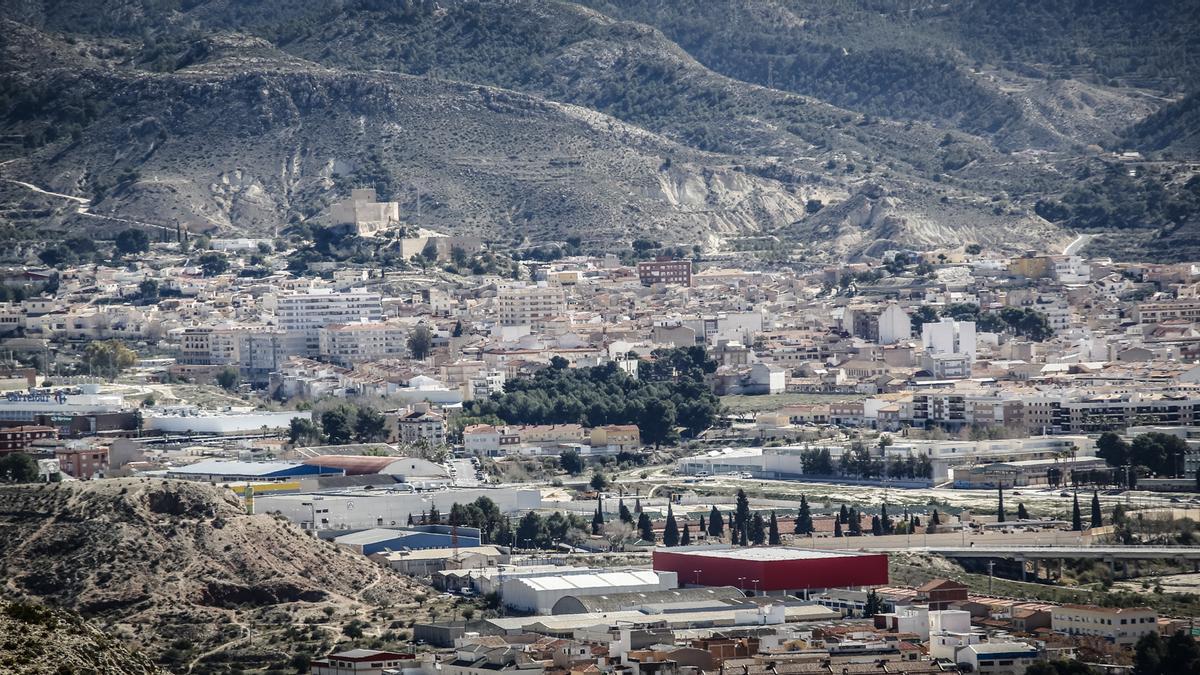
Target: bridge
{"points": [[1039, 555]]}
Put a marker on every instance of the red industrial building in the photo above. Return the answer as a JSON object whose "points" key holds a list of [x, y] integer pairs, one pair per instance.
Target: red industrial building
{"points": [[772, 569]]}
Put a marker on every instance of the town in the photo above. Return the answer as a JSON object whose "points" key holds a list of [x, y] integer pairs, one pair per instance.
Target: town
{"points": [[657, 460]]}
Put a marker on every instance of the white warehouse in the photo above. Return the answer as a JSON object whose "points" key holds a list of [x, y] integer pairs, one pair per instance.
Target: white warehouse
{"points": [[363, 509], [538, 594]]}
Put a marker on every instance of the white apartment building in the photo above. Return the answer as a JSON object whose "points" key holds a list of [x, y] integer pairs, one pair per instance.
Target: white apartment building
{"points": [[302, 315], [1118, 625], [894, 325], [350, 343], [531, 305], [948, 336]]}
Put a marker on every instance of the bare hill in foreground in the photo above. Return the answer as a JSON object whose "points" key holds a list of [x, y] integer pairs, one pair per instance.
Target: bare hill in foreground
{"points": [[178, 571], [40, 640]]}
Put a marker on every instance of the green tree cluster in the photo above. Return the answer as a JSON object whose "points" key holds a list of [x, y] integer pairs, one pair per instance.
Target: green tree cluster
{"points": [[108, 358], [1153, 452], [339, 425], [670, 392]]}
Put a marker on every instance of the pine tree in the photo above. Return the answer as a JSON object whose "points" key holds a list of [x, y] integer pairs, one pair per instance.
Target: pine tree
{"points": [[1000, 509], [773, 531], [876, 526], [671, 529], [1097, 516], [716, 523], [686, 539], [873, 605], [1022, 514], [645, 529], [1076, 518], [837, 528], [758, 530], [623, 512], [804, 524]]}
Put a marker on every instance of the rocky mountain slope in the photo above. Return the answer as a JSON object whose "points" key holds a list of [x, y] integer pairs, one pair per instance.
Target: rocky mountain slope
{"points": [[39, 640], [692, 122], [179, 571]]}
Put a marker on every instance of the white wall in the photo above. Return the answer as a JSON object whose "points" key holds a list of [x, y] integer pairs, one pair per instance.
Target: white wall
{"points": [[360, 511], [223, 424]]}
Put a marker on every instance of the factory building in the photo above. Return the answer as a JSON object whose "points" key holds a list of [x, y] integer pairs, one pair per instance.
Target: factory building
{"points": [[692, 598], [221, 471], [775, 570], [378, 540], [539, 594], [359, 509]]}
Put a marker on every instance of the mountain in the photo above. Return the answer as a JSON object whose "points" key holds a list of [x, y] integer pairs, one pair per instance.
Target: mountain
{"points": [[180, 570], [692, 122]]}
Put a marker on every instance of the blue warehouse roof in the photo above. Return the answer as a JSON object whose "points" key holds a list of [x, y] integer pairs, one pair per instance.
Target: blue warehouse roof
{"points": [[217, 467]]}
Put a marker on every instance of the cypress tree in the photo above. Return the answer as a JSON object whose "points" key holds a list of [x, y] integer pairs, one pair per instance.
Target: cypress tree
{"points": [[936, 519], [742, 512], [645, 529], [623, 512], [597, 521], [671, 529], [637, 504], [1076, 518], [885, 522], [732, 528], [686, 539], [773, 531], [1022, 514], [716, 523], [855, 523], [1097, 516], [758, 530], [837, 528], [1000, 509], [844, 515], [703, 528], [804, 524], [743, 540], [876, 526]]}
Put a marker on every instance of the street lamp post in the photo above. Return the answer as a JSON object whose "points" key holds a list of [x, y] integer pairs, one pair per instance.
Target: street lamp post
{"points": [[697, 573], [742, 583]]}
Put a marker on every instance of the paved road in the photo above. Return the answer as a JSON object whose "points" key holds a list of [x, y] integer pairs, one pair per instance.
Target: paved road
{"points": [[465, 476], [1077, 245]]}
